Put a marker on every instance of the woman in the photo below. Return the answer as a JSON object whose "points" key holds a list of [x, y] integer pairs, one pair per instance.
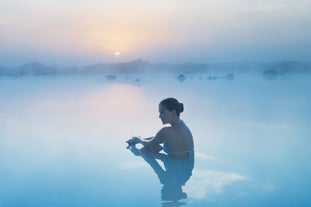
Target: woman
{"points": [[176, 139]]}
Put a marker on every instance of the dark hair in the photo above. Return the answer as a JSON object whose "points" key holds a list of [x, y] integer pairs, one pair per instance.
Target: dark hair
{"points": [[172, 104]]}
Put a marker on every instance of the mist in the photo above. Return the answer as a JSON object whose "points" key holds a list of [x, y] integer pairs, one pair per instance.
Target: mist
{"points": [[65, 133], [80, 78]]}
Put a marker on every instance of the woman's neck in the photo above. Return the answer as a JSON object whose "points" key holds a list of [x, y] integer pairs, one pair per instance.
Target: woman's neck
{"points": [[176, 121]]}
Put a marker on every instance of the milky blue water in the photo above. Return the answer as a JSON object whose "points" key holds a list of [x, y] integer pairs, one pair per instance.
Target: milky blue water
{"points": [[62, 141]]}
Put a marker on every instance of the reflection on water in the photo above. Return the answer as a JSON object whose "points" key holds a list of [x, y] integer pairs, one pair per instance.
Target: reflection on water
{"points": [[62, 142], [173, 176]]}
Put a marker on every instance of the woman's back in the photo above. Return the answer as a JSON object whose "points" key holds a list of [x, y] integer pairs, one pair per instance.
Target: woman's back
{"points": [[178, 139]]}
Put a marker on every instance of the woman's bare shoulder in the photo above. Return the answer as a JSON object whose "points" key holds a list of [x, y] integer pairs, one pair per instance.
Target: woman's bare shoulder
{"points": [[161, 135], [165, 130]]}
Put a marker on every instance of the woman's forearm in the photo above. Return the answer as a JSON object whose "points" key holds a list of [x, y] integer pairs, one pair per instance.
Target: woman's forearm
{"points": [[148, 138], [146, 141]]}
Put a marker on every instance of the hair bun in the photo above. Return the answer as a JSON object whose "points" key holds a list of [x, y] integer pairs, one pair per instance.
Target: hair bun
{"points": [[181, 107], [172, 104]]}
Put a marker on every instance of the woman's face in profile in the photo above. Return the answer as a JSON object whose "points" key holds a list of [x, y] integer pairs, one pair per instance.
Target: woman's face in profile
{"points": [[165, 115]]}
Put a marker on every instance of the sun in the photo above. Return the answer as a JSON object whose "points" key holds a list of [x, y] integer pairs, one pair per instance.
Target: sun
{"points": [[117, 54]]}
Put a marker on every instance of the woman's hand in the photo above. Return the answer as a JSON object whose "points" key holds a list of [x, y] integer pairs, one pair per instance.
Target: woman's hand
{"points": [[133, 141]]}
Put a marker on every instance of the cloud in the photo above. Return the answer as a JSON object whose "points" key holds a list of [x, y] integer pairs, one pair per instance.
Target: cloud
{"points": [[204, 156], [204, 183]]}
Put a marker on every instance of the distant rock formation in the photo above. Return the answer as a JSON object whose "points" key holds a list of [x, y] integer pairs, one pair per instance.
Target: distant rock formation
{"points": [[230, 76], [270, 74], [181, 77], [212, 77], [111, 77]]}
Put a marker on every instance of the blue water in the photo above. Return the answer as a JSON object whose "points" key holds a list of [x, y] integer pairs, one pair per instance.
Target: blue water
{"points": [[62, 141]]}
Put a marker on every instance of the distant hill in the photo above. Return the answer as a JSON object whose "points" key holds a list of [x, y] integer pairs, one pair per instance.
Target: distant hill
{"points": [[142, 66], [127, 67], [33, 68], [291, 67]]}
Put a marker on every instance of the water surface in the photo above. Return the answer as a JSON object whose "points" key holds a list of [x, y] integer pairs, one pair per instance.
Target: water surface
{"points": [[62, 140]]}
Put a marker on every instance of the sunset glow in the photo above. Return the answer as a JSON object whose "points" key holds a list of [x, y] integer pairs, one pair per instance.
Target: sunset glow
{"points": [[199, 31], [117, 54]]}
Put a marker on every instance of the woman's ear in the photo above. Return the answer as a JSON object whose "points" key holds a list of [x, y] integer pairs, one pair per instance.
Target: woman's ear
{"points": [[174, 112]]}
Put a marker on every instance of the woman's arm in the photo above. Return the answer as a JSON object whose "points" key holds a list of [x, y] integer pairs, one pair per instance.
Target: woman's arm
{"points": [[148, 138], [151, 141]]}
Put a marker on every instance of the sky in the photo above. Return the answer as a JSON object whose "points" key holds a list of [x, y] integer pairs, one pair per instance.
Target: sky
{"points": [[81, 32]]}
